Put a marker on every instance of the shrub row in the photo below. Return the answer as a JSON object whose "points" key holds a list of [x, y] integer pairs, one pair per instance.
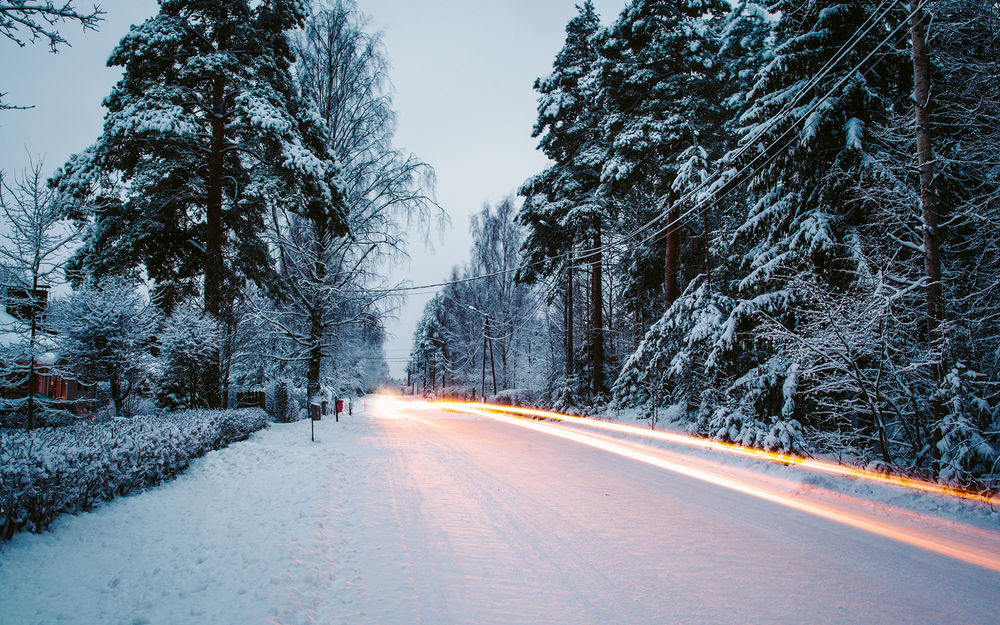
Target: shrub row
{"points": [[50, 471]]}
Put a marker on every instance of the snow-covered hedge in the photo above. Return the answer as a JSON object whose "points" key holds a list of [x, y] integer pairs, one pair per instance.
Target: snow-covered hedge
{"points": [[50, 471]]}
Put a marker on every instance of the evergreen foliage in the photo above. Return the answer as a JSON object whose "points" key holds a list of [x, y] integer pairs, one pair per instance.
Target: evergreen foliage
{"points": [[204, 134], [759, 163], [189, 352]]}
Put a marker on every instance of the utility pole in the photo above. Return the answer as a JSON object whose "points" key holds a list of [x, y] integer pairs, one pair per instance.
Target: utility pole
{"points": [[485, 325], [487, 344], [492, 367]]}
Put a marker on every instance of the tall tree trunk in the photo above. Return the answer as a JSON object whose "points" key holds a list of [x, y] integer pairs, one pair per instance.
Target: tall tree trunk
{"points": [[116, 396], [317, 311], [925, 162], [213, 230], [928, 208], [32, 376], [708, 252], [672, 253], [213, 212], [610, 316], [569, 319], [597, 313]]}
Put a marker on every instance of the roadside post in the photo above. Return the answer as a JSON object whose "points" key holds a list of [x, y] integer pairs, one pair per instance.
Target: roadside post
{"points": [[339, 408], [315, 414]]}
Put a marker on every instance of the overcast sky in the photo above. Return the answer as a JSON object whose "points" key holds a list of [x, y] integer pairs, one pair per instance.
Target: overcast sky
{"points": [[462, 70]]}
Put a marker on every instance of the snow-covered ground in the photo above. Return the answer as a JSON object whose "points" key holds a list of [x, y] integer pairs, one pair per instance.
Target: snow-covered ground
{"points": [[944, 507], [404, 515]]}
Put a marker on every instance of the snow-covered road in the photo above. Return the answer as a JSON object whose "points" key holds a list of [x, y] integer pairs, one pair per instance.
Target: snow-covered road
{"points": [[406, 515]]}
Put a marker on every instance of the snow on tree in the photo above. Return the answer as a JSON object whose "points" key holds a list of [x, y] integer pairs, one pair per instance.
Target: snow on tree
{"points": [[927, 343], [26, 21], [496, 243], [105, 337], [204, 135], [561, 210], [670, 366], [805, 150], [321, 281], [486, 319], [328, 296], [189, 350], [658, 87]]}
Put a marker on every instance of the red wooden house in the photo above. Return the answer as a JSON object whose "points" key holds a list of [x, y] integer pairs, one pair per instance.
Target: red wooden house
{"points": [[49, 381]]}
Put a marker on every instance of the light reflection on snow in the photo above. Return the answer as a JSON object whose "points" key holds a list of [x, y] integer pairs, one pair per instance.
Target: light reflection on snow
{"points": [[723, 477], [811, 464]]}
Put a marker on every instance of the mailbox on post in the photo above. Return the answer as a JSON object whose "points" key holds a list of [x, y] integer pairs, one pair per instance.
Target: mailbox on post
{"points": [[315, 414], [339, 408]]}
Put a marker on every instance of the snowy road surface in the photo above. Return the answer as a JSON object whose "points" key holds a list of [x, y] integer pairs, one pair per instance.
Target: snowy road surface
{"points": [[403, 515]]}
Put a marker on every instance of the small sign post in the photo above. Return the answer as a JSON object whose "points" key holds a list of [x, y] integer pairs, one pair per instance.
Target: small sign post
{"points": [[339, 408], [315, 414]]}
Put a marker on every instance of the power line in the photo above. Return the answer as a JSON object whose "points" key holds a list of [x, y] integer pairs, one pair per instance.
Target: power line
{"points": [[702, 205], [696, 208]]}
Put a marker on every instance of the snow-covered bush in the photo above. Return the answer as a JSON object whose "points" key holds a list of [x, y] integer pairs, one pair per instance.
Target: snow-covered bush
{"points": [[105, 337], [518, 397], [735, 426], [285, 408], [50, 471], [963, 448], [189, 353], [672, 364]]}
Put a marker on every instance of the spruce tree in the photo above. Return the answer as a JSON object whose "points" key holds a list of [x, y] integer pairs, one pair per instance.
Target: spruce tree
{"points": [[807, 141], [657, 87]]}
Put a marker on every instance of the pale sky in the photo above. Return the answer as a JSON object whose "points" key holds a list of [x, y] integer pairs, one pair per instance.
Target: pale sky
{"points": [[462, 71]]}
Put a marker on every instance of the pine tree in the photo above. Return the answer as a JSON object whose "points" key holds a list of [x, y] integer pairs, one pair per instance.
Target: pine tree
{"points": [[204, 133], [561, 209], [189, 344], [105, 336]]}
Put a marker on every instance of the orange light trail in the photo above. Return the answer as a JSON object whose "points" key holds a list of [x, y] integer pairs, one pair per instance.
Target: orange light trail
{"points": [[811, 464], [958, 551]]}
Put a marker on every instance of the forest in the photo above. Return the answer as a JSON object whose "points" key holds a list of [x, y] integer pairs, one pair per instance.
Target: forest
{"points": [[773, 224]]}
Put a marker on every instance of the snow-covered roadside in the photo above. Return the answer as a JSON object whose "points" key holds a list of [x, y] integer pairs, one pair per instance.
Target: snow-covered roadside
{"points": [[941, 506], [249, 534]]}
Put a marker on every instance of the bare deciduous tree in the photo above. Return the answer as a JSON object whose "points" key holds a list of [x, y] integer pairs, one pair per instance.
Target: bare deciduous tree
{"points": [[24, 22], [331, 280], [33, 251]]}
